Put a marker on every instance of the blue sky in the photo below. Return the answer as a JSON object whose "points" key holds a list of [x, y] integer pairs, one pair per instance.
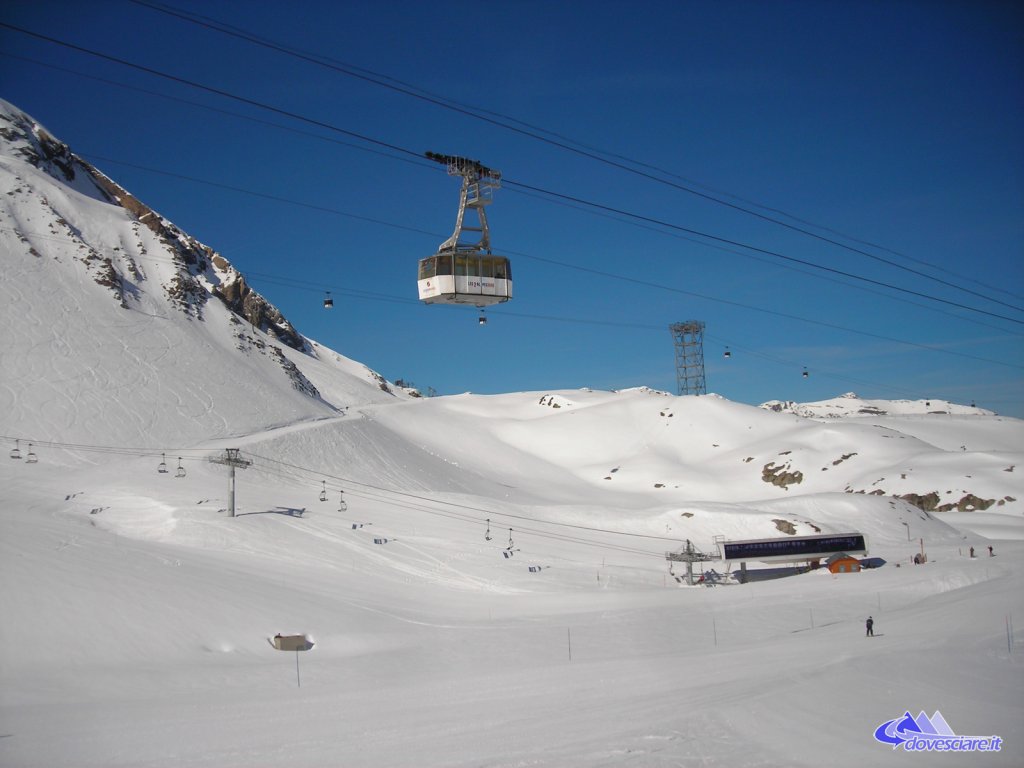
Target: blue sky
{"points": [[891, 128]]}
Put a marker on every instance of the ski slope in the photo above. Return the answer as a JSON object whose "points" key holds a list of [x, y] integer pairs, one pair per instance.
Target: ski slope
{"points": [[139, 614]]}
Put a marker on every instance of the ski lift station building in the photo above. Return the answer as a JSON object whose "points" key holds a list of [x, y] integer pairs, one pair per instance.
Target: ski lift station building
{"points": [[793, 549]]}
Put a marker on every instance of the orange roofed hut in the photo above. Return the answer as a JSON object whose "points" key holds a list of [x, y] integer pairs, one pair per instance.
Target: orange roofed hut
{"points": [[843, 563]]}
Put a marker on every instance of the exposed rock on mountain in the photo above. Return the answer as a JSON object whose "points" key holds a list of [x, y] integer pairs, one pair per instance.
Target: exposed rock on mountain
{"points": [[123, 325], [201, 273]]}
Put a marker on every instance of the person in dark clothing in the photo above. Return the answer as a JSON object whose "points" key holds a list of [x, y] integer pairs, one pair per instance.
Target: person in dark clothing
{"points": [[870, 624]]}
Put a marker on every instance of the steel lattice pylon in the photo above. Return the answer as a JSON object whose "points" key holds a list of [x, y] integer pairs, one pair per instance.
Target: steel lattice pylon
{"points": [[478, 185], [689, 342]]}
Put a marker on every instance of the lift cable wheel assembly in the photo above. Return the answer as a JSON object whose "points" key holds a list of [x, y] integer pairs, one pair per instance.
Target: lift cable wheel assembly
{"points": [[464, 271]]}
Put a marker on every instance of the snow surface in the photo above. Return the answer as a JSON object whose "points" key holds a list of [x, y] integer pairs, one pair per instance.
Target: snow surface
{"points": [[851, 405], [138, 615]]}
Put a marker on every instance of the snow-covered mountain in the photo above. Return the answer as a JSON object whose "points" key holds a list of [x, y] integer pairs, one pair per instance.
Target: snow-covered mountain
{"points": [[850, 405], [117, 318], [127, 331], [483, 578]]}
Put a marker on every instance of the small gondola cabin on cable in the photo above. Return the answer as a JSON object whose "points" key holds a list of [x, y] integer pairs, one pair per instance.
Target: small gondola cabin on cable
{"points": [[466, 272]]}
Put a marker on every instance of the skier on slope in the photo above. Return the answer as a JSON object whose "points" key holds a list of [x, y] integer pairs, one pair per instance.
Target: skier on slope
{"points": [[870, 624]]}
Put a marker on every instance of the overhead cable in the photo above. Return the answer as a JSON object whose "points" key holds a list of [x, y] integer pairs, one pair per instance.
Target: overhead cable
{"points": [[588, 152], [412, 153]]}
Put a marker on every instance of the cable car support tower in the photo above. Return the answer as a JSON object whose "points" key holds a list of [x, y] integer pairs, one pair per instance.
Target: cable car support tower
{"points": [[688, 337]]}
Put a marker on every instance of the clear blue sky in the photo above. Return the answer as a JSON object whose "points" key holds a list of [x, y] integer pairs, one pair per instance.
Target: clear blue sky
{"points": [[892, 127]]}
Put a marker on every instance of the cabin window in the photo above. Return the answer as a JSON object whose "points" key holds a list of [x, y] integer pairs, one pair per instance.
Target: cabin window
{"points": [[435, 265]]}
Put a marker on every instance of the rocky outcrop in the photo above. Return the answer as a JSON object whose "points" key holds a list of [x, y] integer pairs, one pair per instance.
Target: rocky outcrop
{"points": [[241, 299], [202, 273], [930, 502], [37, 147], [781, 476], [927, 503], [785, 527]]}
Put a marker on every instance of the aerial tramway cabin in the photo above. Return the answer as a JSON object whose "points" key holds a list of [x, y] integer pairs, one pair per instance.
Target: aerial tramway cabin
{"points": [[465, 271], [465, 278]]}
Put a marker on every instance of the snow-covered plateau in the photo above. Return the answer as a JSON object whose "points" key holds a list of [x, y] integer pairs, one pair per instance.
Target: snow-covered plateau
{"points": [[486, 582]]}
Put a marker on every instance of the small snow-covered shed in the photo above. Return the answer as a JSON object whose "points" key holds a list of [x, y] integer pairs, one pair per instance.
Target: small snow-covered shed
{"points": [[843, 563]]}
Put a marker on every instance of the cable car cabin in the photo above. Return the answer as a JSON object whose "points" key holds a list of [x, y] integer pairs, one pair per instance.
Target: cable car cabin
{"points": [[465, 278]]}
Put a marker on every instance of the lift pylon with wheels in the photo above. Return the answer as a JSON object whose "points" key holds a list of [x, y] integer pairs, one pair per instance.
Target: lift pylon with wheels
{"points": [[464, 271]]}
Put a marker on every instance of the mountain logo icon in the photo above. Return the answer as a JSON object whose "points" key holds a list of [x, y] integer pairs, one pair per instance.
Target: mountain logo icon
{"points": [[931, 734]]}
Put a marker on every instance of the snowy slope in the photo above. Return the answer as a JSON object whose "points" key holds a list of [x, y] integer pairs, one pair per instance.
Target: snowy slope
{"points": [[851, 405], [638, 448], [486, 582], [138, 616]]}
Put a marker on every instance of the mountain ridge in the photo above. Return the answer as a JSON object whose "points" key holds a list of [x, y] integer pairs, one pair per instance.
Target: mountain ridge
{"points": [[180, 314], [851, 405]]}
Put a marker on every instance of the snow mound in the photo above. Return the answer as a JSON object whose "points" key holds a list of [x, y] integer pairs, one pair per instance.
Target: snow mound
{"points": [[850, 405]]}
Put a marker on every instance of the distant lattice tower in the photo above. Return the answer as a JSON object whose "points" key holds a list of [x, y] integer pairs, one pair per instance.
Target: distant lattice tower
{"points": [[689, 341]]}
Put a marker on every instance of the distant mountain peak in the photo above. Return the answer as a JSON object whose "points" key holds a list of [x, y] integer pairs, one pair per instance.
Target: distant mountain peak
{"points": [[851, 405], [28, 140], [186, 346]]}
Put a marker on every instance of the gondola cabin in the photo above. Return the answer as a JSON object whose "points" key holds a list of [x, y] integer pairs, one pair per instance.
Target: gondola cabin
{"points": [[456, 278], [464, 271]]}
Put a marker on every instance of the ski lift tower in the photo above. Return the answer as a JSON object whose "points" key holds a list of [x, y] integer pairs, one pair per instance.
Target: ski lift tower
{"points": [[689, 555], [689, 342], [233, 460]]}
